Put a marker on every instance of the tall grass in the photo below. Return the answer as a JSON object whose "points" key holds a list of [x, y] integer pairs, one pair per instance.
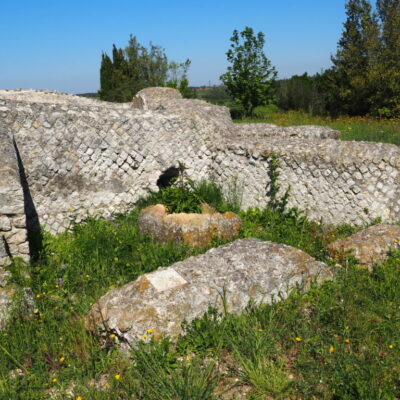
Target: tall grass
{"points": [[351, 128], [340, 340]]}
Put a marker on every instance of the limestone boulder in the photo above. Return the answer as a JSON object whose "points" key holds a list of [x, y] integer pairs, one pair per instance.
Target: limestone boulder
{"points": [[230, 275], [153, 97], [196, 230], [369, 246]]}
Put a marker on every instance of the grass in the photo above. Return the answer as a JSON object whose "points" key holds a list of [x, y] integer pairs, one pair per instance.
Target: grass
{"points": [[351, 128], [337, 341]]}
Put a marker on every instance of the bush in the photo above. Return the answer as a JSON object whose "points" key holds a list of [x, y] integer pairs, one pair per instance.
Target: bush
{"points": [[237, 111], [187, 197], [265, 111]]}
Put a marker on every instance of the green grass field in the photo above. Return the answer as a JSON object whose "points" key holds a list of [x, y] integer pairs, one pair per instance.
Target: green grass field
{"points": [[351, 128], [340, 340]]}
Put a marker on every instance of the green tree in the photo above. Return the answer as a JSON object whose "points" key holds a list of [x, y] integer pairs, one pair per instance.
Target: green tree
{"points": [[177, 77], [357, 57], [106, 76], [250, 78], [132, 69], [386, 99]]}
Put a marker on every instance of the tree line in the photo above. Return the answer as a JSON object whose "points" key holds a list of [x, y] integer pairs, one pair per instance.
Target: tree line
{"points": [[364, 77], [136, 67]]}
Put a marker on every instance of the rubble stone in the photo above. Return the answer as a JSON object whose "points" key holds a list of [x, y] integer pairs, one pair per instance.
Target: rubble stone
{"points": [[369, 246]]}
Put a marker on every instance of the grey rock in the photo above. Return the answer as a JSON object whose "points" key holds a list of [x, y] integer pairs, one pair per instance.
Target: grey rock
{"points": [[370, 246], [234, 274]]}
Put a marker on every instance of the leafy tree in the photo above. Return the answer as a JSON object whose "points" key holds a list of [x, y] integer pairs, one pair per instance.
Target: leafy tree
{"points": [[178, 77], [250, 78]]}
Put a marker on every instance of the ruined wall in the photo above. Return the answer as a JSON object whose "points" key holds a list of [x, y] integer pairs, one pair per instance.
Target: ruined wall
{"points": [[84, 162], [81, 157], [13, 234], [338, 182]]}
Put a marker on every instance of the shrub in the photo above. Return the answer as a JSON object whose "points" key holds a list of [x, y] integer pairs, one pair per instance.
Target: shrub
{"points": [[266, 111]]}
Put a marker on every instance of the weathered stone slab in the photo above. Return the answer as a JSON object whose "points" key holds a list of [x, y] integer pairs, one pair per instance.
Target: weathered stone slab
{"points": [[239, 271], [196, 230], [369, 246]]}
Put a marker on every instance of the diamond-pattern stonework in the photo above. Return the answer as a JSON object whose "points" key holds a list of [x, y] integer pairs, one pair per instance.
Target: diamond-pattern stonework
{"points": [[65, 155]]}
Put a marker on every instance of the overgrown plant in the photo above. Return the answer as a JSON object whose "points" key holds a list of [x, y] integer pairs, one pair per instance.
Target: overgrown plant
{"points": [[275, 202], [187, 196]]}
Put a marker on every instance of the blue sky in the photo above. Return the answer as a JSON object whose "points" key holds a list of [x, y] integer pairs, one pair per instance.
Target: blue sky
{"points": [[57, 44]]}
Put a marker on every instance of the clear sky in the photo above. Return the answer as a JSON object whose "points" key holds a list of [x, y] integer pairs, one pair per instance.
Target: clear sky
{"points": [[57, 44]]}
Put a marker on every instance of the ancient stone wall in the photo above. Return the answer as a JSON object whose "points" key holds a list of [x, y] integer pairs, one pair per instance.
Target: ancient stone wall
{"points": [[13, 234], [333, 181], [67, 157]]}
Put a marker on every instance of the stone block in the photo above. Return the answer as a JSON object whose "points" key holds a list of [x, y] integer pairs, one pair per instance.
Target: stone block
{"points": [[369, 246], [228, 276], [196, 230]]}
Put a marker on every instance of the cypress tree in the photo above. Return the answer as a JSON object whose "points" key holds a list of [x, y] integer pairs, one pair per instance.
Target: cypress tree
{"points": [[386, 101], [106, 77], [130, 70], [356, 57]]}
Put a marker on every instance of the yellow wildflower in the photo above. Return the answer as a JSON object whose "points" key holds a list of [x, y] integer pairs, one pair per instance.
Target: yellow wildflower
{"points": [[150, 330], [144, 337], [61, 359], [260, 330], [54, 380], [112, 336], [298, 339], [347, 340], [391, 346], [117, 377], [331, 349]]}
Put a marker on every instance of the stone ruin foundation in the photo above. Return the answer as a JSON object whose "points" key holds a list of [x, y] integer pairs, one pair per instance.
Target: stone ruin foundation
{"points": [[66, 156]]}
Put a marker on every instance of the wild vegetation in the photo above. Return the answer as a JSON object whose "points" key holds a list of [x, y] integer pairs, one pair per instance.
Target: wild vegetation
{"points": [[339, 340], [350, 128], [136, 67]]}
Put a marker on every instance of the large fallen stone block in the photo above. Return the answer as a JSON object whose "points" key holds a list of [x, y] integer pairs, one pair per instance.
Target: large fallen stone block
{"points": [[369, 246], [229, 275], [196, 230]]}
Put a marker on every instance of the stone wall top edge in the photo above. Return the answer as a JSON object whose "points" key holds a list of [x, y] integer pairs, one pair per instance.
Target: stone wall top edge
{"points": [[98, 110], [323, 148], [35, 109]]}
